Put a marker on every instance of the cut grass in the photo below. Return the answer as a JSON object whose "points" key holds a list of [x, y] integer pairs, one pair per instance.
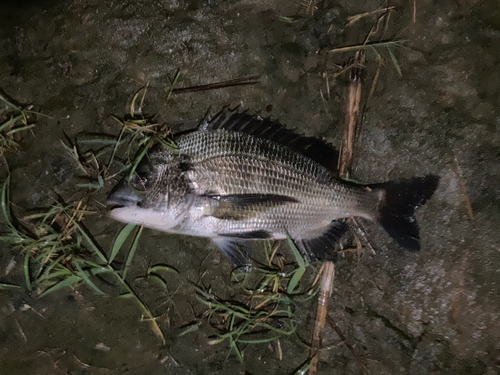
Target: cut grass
{"points": [[264, 312], [13, 120], [59, 252]]}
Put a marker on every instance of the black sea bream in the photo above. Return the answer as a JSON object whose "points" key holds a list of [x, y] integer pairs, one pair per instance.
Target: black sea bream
{"points": [[240, 177]]}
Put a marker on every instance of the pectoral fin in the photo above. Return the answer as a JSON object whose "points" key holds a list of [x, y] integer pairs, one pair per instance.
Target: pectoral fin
{"points": [[244, 206], [236, 250]]}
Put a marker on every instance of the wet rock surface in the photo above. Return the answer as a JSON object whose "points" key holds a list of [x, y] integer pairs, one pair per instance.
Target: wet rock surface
{"points": [[435, 311]]}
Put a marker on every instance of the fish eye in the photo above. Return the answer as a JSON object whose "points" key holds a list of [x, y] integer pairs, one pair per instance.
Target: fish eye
{"points": [[139, 181]]}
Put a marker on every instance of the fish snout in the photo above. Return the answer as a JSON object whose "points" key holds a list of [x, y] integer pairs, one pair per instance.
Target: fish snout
{"points": [[123, 195]]}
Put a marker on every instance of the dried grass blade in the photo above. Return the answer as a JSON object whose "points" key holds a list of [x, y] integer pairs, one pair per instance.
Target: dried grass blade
{"points": [[150, 318], [219, 85]]}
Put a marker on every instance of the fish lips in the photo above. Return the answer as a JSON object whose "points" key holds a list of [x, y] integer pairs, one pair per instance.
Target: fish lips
{"points": [[123, 201], [123, 195]]}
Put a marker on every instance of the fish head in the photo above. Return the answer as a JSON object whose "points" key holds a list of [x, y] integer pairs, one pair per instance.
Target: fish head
{"points": [[152, 197]]}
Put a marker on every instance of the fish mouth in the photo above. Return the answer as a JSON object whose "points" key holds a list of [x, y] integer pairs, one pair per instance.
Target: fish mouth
{"points": [[123, 196]]}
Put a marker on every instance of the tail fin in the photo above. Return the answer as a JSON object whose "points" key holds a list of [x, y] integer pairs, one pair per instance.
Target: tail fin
{"points": [[397, 207]]}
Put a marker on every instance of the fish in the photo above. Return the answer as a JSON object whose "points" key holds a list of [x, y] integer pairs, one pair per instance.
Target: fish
{"points": [[238, 177]]}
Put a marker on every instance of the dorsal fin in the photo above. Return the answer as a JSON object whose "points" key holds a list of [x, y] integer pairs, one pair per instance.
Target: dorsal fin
{"points": [[318, 150]]}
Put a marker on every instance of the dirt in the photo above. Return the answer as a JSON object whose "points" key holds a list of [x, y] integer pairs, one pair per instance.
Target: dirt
{"points": [[435, 311]]}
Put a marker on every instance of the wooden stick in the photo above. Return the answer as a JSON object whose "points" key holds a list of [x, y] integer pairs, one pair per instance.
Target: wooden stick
{"points": [[351, 116], [325, 292], [350, 132]]}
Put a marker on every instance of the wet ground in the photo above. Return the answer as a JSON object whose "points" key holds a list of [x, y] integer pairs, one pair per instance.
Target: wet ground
{"points": [[435, 311]]}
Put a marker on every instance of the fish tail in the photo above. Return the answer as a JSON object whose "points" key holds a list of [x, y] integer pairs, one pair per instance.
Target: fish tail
{"points": [[397, 207]]}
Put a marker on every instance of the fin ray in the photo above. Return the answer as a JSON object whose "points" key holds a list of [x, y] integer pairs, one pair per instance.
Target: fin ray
{"points": [[397, 208], [243, 206], [236, 250], [325, 245], [316, 149]]}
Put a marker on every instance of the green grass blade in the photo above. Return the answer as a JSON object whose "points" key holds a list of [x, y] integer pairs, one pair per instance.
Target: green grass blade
{"points": [[60, 272], [120, 240], [157, 279], [85, 277], [161, 267], [52, 265], [174, 82], [94, 247], [20, 129], [26, 268], [118, 142], [394, 62], [62, 284], [139, 158], [9, 286], [258, 341], [132, 251], [299, 272], [150, 318], [10, 122], [191, 328], [9, 104], [5, 205], [95, 186]]}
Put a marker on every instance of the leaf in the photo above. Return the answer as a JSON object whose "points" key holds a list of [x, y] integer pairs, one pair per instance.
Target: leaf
{"points": [[85, 277], [9, 104], [10, 122], [9, 286], [160, 267], [395, 62], [62, 284], [191, 328], [299, 272], [132, 251], [20, 129], [174, 82], [90, 242], [120, 240], [26, 268], [139, 158]]}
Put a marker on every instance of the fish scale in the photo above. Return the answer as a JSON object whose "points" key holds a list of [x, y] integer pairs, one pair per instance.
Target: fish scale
{"points": [[231, 163]]}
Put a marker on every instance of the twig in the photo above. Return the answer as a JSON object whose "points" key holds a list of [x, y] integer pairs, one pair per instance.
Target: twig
{"points": [[218, 85], [353, 19], [463, 189], [322, 309], [351, 116], [348, 346], [352, 124], [367, 45]]}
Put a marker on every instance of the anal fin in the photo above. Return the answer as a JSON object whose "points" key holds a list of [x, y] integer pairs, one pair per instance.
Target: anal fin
{"points": [[324, 246]]}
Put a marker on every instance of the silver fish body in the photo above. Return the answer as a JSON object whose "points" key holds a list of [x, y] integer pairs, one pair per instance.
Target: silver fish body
{"points": [[252, 183]]}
